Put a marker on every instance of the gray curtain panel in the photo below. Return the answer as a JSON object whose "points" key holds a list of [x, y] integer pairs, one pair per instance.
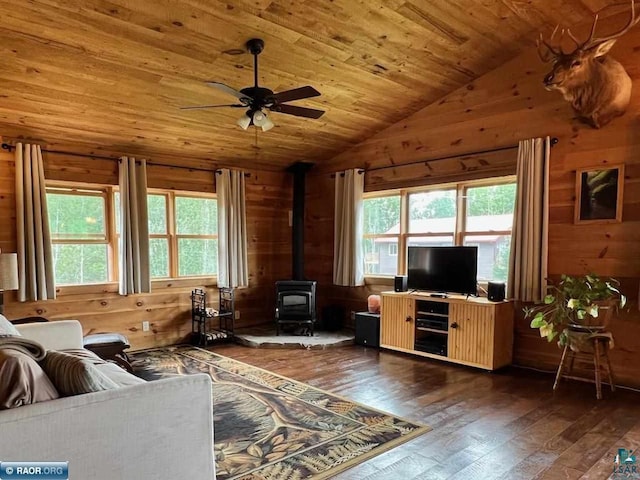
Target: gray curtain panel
{"points": [[348, 261], [134, 271], [35, 258], [527, 280], [233, 269]]}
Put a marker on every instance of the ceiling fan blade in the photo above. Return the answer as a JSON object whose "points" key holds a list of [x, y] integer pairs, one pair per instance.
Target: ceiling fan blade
{"points": [[231, 91], [201, 107], [295, 94], [298, 111]]}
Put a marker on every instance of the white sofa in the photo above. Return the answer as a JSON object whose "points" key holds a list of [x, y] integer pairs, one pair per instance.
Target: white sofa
{"points": [[147, 431]]}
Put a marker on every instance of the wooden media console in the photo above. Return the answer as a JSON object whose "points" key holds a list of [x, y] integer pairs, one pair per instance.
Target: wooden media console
{"points": [[470, 331]]}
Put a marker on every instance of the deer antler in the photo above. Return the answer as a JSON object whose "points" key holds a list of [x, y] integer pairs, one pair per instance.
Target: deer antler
{"points": [[591, 41], [551, 52]]}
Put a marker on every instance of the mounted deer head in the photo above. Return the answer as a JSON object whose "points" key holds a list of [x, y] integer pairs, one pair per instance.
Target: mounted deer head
{"points": [[597, 86]]}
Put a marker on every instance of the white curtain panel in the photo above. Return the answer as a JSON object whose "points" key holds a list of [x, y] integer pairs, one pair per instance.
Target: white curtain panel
{"points": [[233, 270], [527, 280], [134, 271], [35, 258], [348, 259]]}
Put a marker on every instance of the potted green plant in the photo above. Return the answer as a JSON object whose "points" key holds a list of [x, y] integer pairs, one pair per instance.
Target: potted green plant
{"points": [[575, 304]]}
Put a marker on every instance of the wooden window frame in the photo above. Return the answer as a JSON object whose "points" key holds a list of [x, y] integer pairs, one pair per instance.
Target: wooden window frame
{"points": [[90, 190], [374, 236], [465, 187], [459, 232], [112, 238], [176, 236], [172, 235]]}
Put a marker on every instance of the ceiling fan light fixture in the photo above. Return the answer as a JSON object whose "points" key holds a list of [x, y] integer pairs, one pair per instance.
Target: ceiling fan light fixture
{"points": [[255, 100], [259, 118], [244, 121], [267, 124]]}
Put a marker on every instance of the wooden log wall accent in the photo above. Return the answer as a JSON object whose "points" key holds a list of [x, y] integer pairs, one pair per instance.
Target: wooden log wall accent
{"points": [[168, 307], [452, 169], [104, 171], [497, 110]]}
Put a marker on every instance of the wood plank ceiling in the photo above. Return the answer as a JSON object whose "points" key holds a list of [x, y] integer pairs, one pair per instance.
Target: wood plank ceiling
{"points": [[108, 77]]}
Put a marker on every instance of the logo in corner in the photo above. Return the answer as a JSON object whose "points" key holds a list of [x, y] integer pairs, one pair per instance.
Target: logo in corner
{"points": [[625, 464]]}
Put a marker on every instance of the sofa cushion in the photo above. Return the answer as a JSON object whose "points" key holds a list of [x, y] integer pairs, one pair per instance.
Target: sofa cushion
{"points": [[74, 375], [22, 380], [7, 328], [120, 376], [110, 369]]}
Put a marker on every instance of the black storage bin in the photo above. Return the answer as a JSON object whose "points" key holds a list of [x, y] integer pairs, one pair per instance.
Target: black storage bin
{"points": [[333, 317]]}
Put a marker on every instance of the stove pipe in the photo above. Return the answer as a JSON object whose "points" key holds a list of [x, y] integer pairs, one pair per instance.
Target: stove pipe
{"points": [[299, 171]]}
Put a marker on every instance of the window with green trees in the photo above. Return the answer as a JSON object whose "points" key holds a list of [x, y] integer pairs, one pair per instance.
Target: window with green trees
{"points": [[79, 235], [488, 223], [186, 245], [85, 231], [381, 234], [196, 235], [478, 213]]}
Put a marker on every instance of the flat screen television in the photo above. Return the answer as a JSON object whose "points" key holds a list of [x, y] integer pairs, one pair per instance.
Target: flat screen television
{"points": [[443, 269]]}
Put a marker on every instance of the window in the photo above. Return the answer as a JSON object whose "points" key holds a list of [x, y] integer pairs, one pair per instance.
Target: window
{"points": [[196, 235], [432, 218], [85, 231], [488, 223], [381, 230], [159, 238], [79, 235], [472, 213], [187, 246]]}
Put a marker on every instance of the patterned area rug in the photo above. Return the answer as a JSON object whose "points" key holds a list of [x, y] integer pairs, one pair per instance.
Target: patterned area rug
{"points": [[269, 427]]}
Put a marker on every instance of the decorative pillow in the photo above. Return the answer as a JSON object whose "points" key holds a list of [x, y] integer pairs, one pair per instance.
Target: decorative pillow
{"points": [[73, 375], [7, 328], [22, 380]]}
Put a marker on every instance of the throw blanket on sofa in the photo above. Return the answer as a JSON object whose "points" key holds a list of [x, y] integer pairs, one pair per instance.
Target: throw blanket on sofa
{"points": [[24, 345], [22, 381]]}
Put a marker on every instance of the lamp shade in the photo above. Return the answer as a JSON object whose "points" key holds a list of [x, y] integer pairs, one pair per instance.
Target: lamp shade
{"points": [[259, 118], [267, 124], [244, 121], [8, 271]]}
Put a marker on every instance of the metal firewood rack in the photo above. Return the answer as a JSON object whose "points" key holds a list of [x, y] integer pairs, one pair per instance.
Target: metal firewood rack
{"points": [[209, 325]]}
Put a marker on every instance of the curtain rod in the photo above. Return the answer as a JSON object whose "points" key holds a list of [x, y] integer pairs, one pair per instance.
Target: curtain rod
{"points": [[553, 142], [9, 147]]}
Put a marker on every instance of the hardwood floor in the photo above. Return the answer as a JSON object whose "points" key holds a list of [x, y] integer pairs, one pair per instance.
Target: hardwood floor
{"points": [[505, 425]]}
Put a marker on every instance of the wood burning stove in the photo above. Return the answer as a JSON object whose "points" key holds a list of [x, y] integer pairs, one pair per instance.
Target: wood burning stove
{"points": [[296, 299], [296, 304]]}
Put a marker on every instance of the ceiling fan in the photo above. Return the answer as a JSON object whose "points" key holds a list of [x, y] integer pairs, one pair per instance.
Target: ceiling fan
{"points": [[256, 99]]}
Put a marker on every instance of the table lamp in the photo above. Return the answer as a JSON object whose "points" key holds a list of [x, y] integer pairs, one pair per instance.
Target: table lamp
{"points": [[8, 275]]}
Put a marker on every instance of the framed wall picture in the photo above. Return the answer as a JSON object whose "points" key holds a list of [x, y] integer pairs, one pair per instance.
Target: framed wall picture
{"points": [[599, 194]]}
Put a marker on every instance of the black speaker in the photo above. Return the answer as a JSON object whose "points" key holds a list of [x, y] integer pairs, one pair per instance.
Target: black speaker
{"points": [[333, 317], [368, 329], [400, 283], [496, 291]]}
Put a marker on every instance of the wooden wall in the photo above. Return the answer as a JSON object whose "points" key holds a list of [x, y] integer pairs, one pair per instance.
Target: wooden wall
{"points": [[498, 110], [168, 307]]}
